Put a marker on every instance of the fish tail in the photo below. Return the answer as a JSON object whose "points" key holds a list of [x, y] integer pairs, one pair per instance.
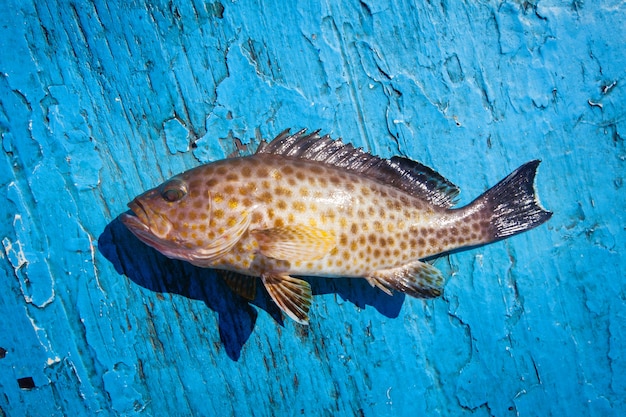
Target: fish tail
{"points": [[512, 205]]}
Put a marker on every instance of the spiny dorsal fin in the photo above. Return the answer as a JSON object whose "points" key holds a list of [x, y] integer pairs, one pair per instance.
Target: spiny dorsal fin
{"points": [[402, 173]]}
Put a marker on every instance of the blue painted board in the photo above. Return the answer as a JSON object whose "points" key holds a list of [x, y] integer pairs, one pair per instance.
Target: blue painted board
{"points": [[100, 101]]}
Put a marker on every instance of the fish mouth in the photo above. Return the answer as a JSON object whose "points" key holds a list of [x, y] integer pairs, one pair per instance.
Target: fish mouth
{"points": [[137, 220], [149, 226]]}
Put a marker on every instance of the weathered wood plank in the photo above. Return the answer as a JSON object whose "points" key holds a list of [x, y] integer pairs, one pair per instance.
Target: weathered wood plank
{"points": [[102, 100]]}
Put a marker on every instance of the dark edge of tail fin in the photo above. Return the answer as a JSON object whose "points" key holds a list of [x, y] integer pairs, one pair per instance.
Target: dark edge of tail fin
{"points": [[513, 203]]}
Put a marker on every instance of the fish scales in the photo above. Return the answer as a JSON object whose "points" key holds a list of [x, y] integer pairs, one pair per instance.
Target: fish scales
{"points": [[309, 205], [375, 227]]}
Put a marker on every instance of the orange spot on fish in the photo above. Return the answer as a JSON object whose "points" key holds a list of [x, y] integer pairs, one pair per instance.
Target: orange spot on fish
{"points": [[283, 191], [266, 197]]}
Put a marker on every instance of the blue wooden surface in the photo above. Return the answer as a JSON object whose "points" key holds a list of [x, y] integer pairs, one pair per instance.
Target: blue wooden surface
{"points": [[102, 100]]}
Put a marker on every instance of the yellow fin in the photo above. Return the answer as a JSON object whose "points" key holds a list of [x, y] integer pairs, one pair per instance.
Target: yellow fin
{"points": [[417, 279], [292, 295], [294, 243]]}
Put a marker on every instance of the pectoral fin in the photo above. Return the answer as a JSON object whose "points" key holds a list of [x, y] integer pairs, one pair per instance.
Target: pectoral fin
{"points": [[294, 243], [240, 284], [205, 256], [417, 279], [292, 295]]}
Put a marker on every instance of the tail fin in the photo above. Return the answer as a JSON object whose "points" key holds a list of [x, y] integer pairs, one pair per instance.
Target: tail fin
{"points": [[512, 204]]}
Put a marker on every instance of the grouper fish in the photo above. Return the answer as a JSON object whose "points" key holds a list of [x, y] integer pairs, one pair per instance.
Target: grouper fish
{"points": [[308, 205]]}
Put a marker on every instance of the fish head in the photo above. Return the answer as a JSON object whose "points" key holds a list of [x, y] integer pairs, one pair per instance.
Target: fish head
{"points": [[155, 214], [168, 217], [195, 216]]}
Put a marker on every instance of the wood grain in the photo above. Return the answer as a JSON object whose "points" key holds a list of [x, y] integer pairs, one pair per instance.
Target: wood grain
{"points": [[100, 101]]}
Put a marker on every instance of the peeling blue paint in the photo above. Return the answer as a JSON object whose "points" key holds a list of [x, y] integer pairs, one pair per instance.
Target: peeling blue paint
{"points": [[100, 101], [176, 136]]}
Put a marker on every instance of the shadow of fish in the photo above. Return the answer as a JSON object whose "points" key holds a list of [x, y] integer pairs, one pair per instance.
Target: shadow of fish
{"points": [[314, 206]]}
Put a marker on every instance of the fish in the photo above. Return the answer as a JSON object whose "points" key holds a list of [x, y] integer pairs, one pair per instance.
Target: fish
{"points": [[307, 205]]}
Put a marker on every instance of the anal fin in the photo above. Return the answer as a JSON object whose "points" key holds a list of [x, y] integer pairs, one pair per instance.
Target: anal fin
{"points": [[417, 279], [292, 295]]}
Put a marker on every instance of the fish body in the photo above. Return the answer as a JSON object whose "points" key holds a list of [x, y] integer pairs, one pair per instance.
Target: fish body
{"points": [[310, 205]]}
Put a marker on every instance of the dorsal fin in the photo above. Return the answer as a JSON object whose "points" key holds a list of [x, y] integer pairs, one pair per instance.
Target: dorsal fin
{"points": [[402, 173], [442, 191]]}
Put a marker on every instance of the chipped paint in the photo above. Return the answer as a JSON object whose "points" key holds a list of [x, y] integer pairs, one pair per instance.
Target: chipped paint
{"points": [[29, 266], [87, 92], [176, 136]]}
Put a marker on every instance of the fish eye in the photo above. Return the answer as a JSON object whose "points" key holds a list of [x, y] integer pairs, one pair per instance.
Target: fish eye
{"points": [[173, 191]]}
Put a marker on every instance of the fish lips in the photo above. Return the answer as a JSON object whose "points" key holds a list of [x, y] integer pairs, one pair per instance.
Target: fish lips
{"points": [[148, 225], [138, 222], [138, 219]]}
